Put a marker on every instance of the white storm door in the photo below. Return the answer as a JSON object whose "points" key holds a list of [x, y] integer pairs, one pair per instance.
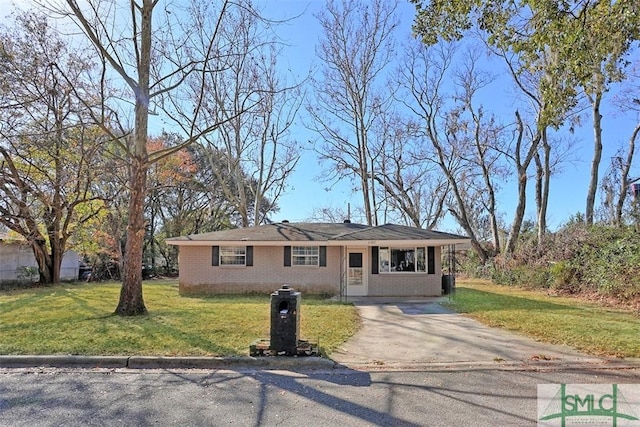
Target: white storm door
{"points": [[356, 273]]}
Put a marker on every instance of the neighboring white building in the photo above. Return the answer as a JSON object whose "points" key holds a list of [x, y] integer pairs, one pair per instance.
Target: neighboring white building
{"points": [[16, 255]]}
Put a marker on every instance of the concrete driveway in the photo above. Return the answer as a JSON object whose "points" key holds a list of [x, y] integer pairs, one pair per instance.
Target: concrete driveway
{"points": [[423, 334]]}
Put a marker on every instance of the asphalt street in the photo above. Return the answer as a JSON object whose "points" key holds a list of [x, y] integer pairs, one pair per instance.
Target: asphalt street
{"points": [[338, 397]]}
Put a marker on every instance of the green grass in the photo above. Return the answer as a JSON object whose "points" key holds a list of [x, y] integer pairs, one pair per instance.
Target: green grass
{"points": [[558, 320], [78, 319]]}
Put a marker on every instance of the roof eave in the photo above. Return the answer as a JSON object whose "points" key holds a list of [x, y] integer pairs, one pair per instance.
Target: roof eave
{"points": [[404, 242]]}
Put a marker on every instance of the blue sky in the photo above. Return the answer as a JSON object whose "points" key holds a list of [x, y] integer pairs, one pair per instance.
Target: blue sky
{"points": [[307, 193], [568, 188]]}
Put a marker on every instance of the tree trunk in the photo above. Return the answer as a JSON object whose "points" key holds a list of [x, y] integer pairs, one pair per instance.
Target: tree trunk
{"points": [[495, 231], [518, 217], [131, 302], [486, 176], [462, 219], [624, 179], [55, 260], [374, 202], [521, 168], [597, 155], [363, 168], [43, 260], [543, 200]]}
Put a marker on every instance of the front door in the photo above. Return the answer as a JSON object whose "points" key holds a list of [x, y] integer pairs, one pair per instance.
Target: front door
{"points": [[356, 274]]}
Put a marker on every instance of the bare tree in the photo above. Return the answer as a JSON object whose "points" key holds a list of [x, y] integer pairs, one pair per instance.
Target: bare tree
{"points": [[331, 214], [256, 109], [619, 176], [155, 49], [458, 137], [479, 139], [523, 153], [544, 116], [356, 49], [617, 180], [409, 188]]}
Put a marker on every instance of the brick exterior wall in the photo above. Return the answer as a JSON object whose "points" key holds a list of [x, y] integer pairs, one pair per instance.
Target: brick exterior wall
{"points": [[405, 285], [408, 284], [268, 273]]}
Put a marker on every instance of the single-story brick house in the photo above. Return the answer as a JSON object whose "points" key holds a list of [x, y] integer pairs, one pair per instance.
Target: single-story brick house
{"points": [[331, 258]]}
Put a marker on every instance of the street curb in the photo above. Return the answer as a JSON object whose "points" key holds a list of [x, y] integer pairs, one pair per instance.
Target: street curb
{"points": [[150, 362], [63, 361], [153, 362], [291, 363], [492, 366]]}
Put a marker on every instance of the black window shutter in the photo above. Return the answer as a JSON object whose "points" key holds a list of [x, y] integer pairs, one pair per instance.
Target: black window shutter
{"points": [[287, 256], [323, 256], [431, 260], [249, 256], [374, 259], [215, 256]]}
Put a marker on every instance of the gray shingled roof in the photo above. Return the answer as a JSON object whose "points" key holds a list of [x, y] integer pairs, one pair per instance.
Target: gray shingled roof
{"points": [[398, 232], [318, 232]]}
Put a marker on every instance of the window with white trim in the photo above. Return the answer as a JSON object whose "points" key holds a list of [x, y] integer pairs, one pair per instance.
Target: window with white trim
{"points": [[305, 255], [412, 260], [233, 255]]}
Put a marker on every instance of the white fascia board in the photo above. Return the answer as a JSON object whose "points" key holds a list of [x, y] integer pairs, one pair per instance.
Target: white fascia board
{"points": [[395, 243], [401, 243], [235, 243], [246, 243]]}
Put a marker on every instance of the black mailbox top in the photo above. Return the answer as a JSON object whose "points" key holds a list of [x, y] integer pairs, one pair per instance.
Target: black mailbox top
{"points": [[284, 290]]}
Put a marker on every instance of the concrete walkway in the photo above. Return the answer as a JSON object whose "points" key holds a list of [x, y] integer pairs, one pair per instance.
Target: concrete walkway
{"points": [[424, 334]]}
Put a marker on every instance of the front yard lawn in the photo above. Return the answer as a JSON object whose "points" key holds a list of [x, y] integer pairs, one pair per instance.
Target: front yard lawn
{"points": [[78, 319], [583, 325]]}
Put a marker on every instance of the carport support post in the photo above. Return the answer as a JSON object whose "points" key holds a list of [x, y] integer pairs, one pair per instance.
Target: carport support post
{"points": [[344, 274], [451, 254]]}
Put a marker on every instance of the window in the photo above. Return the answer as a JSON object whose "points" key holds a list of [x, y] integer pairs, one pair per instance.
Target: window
{"points": [[305, 255], [402, 260], [233, 255]]}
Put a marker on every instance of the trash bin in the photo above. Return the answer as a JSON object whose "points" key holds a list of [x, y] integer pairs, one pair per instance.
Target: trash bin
{"points": [[448, 284], [285, 324]]}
